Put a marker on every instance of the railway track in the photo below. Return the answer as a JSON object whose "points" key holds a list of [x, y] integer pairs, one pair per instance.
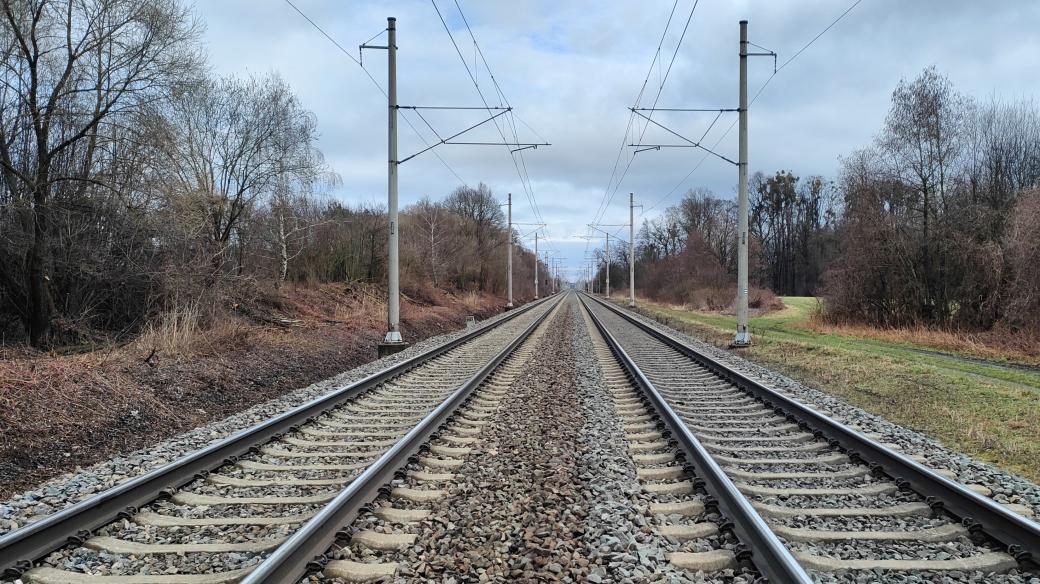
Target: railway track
{"points": [[416, 506], [843, 504], [279, 490], [511, 454], [544, 527], [681, 511]]}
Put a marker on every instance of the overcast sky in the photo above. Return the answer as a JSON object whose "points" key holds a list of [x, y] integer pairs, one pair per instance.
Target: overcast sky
{"points": [[571, 69]]}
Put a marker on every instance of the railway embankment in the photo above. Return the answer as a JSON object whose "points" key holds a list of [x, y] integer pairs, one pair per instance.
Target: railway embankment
{"points": [[63, 412]]}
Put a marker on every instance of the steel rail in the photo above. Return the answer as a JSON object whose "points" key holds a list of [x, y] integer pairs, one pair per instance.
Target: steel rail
{"points": [[72, 525], [304, 550], [762, 546], [979, 514]]}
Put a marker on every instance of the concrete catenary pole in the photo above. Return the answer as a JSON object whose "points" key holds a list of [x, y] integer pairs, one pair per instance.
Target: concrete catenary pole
{"points": [[743, 337], [536, 266], [509, 253], [631, 249], [552, 275], [393, 341], [607, 288], [548, 275], [547, 286]]}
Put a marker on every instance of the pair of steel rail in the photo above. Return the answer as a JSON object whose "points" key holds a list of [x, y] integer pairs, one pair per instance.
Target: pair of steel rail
{"points": [[981, 515], [289, 562], [304, 550]]}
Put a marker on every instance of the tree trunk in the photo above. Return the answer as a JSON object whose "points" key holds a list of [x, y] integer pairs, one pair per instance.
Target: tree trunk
{"points": [[40, 303], [433, 256], [929, 297], [283, 248]]}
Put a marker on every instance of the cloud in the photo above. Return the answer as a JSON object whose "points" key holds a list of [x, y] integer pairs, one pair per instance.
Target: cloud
{"points": [[571, 69]]}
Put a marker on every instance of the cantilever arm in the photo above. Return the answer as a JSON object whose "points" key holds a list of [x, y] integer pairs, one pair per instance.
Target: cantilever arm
{"points": [[681, 137], [456, 135]]}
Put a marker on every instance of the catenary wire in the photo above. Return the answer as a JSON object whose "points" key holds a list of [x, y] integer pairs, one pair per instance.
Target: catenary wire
{"points": [[376, 83], [753, 99], [524, 179], [607, 193], [660, 90], [646, 126], [521, 167]]}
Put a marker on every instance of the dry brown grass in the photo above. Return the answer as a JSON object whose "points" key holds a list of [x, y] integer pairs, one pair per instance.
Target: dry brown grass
{"points": [[62, 411], [356, 305], [993, 345], [64, 404], [186, 331]]}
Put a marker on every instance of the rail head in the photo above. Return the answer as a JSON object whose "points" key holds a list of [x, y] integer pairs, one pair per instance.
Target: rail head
{"points": [[1019, 534], [304, 550], [766, 551], [19, 548]]}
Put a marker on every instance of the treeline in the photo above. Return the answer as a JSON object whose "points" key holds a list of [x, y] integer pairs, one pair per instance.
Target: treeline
{"points": [[940, 214], [689, 254], [133, 182], [934, 224], [456, 244]]}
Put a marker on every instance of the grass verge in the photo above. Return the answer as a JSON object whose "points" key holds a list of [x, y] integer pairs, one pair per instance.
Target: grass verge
{"points": [[989, 410]]}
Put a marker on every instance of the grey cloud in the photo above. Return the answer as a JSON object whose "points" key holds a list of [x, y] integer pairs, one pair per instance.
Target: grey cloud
{"points": [[572, 68]]}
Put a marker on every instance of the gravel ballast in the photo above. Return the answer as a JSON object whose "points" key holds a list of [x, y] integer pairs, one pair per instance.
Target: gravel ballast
{"points": [[547, 493]]}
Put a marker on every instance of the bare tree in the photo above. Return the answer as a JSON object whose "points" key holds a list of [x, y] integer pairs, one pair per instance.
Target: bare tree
{"points": [[300, 173], [1024, 252], [920, 144], [715, 219], [483, 219], [431, 229], [929, 208], [229, 142], [70, 67]]}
